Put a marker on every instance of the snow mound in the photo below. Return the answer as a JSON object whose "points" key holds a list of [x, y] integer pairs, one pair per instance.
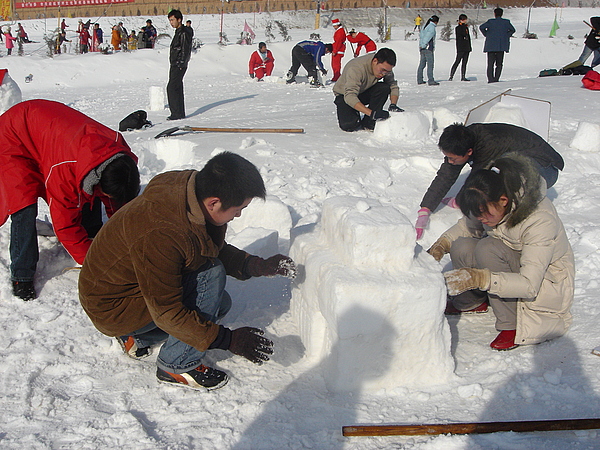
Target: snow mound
{"points": [[10, 93], [366, 307], [587, 137], [403, 127], [157, 98]]}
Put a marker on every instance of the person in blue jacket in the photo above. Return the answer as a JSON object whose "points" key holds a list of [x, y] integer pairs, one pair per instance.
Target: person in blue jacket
{"points": [[308, 54], [497, 32], [426, 48]]}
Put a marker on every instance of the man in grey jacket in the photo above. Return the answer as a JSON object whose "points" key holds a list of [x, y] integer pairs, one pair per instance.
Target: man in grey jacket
{"points": [[364, 87]]}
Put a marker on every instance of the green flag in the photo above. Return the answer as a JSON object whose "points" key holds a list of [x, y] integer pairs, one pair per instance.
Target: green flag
{"points": [[554, 27]]}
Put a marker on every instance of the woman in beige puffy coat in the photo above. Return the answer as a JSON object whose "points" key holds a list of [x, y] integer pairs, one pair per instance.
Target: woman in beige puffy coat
{"points": [[510, 249]]}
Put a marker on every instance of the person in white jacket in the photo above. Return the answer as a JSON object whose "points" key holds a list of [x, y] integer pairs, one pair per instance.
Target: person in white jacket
{"points": [[510, 249]]}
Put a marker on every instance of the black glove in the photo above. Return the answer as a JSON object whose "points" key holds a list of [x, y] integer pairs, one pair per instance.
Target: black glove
{"points": [[249, 343], [394, 108], [324, 71], [379, 114], [251, 75], [275, 265]]}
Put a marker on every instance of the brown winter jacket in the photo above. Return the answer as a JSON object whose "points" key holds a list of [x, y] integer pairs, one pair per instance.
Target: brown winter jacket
{"points": [[133, 272]]}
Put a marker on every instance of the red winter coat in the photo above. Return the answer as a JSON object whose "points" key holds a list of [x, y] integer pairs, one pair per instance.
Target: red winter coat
{"points": [[46, 150], [256, 62], [362, 40], [339, 41]]}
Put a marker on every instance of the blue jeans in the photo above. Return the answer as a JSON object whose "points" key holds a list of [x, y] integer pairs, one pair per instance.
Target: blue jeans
{"points": [[585, 54], [204, 292], [550, 173], [24, 253], [426, 60]]}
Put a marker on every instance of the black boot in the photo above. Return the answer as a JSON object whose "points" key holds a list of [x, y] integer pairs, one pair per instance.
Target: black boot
{"points": [[24, 290]]}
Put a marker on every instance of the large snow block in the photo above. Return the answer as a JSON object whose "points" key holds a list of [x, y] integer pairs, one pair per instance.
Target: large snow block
{"points": [[368, 310]]}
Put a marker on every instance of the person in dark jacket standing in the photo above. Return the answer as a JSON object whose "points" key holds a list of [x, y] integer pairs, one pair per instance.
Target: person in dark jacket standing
{"points": [[463, 48], [181, 51], [497, 32], [592, 43], [478, 145]]}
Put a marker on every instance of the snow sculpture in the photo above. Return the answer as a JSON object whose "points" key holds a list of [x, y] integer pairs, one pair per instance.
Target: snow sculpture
{"points": [[157, 98], [402, 127], [367, 308], [10, 94]]}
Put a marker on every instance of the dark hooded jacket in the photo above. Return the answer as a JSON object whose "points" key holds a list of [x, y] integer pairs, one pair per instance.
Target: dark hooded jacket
{"points": [[492, 140], [593, 38]]}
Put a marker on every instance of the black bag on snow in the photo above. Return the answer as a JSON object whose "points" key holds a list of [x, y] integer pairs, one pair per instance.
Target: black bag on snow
{"points": [[135, 121]]}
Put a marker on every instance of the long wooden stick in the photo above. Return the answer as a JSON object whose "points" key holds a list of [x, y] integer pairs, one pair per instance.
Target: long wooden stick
{"points": [[170, 131], [471, 428]]}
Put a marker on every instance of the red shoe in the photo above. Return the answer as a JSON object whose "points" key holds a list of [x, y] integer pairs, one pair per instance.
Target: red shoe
{"points": [[505, 340], [452, 311]]}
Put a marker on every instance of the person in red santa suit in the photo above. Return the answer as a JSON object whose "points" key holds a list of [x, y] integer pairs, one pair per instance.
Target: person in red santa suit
{"points": [[261, 62], [339, 46], [51, 151], [363, 41]]}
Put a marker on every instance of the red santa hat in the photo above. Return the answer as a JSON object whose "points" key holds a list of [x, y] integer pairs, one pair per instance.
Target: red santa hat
{"points": [[336, 22]]}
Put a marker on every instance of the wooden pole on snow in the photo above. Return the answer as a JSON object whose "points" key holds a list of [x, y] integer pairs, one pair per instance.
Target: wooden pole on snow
{"points": [[471, 428]]}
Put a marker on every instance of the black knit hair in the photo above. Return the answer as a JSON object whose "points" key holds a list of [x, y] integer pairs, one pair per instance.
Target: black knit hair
{"points": [[175, 13], [231, 178], [498, 12], [385, 55], [121, 180], [456, 139], [261, 45], [462, 17]]}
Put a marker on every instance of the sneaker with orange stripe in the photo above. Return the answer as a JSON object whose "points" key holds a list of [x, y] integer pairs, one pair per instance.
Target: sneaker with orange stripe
{"points": [[131, 349], [202, 377]]}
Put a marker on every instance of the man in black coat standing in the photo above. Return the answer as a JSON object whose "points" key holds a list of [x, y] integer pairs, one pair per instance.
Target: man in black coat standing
{"points": [[497, 32], [478, 145], [179, 56], [463, 48]]}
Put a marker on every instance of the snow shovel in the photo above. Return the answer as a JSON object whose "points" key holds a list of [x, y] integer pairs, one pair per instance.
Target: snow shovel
{"points": [[170, 131]]}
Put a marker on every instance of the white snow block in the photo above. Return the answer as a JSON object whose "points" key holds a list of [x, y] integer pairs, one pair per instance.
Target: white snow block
{"points": [[10, 93], [157, 98], [587, 138], [369, 311], [402, 127]]}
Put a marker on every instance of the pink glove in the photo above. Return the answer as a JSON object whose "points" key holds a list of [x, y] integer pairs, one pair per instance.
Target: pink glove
{"points": [[451, 202], [422, 221]]}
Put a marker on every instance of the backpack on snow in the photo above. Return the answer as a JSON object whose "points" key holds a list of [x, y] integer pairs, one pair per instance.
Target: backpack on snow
{"points": [[548, 72], [591, 80], [135, 121]]}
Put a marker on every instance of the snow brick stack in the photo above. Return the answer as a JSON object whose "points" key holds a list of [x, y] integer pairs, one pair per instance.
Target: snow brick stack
{"points": [[369, 310]]}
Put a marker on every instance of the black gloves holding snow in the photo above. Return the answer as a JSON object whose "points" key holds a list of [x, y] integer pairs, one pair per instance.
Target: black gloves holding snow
{"points": [[394, 108], [275, 265], [380, 114], [251, 75], [249, 343]]}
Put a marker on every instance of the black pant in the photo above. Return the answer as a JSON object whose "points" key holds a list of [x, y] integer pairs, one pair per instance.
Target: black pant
{"points": [[374, 97], [460, 56], [494, 59], [301, 56], [175, 92]]}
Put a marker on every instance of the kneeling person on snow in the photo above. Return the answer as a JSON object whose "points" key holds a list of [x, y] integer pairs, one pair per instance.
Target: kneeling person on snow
{"points": [[364, 87], [156, 272], [510, 249]]}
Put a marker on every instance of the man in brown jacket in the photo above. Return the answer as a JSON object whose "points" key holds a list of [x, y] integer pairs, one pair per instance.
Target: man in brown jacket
{"points": [[364, 87], [156, 272]]}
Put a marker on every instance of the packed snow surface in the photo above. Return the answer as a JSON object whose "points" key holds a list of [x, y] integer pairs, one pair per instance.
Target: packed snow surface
{"points": [[65, 385]]}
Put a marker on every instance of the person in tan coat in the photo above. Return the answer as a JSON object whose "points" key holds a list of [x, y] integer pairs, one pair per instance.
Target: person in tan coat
{"points": [[515, 255], [157, 272]]}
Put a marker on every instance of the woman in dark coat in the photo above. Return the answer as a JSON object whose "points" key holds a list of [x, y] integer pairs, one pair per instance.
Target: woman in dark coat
{"points": [[463, 47]]}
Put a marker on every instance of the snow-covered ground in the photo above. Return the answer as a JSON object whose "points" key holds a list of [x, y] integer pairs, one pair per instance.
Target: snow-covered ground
{"points": [[65, 385]]}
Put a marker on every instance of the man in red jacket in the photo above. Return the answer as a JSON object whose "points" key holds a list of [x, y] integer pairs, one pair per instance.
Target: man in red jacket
{"points": [[261, 62], [363, 41], [339, 46], [51, 151]]}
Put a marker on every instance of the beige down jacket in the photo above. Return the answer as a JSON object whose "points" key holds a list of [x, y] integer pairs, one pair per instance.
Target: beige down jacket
{"points": [[545, 282]]}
